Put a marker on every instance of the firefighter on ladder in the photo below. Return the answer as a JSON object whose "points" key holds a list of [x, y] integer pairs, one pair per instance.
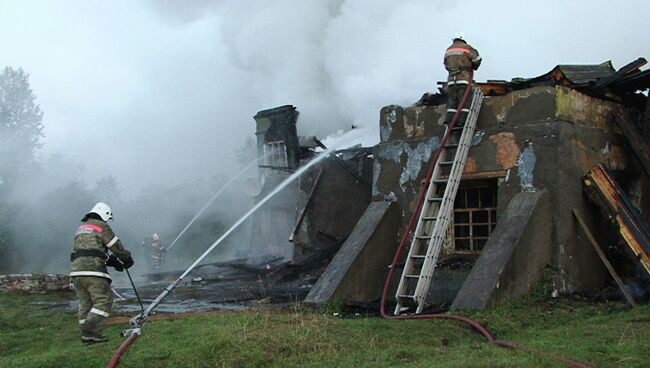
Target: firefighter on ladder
{"points": [[460, 60], [157, 251], [90, 258]]}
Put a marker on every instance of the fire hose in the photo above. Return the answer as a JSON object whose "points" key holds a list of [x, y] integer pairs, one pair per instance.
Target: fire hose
{"points": [[137, 322], [404, 242]]}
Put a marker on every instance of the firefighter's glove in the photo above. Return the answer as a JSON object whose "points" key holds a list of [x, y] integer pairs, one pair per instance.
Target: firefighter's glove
{"points": [[128, 263], [112, 261]]}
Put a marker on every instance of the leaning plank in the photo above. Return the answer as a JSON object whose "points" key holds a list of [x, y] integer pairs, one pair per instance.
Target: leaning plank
{"points": [[603, 258]]}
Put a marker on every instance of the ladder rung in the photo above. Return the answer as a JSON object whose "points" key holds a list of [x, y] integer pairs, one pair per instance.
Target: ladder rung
{"points": [[440, 181], [412, 276], [429, 218], [418, 256], [445, 162], [458, 127], [423, 237], [451, 145], [434, 199], [406, 296]]}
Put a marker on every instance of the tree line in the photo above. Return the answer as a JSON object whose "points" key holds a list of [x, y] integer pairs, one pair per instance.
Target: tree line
{"points": [[42, 199]]}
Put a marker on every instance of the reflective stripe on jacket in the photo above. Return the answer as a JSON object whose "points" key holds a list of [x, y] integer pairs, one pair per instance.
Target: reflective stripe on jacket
{"points": [[96, 235], [460, 59]]}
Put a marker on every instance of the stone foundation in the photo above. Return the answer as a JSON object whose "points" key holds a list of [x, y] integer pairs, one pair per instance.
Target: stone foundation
{"points": [[34, 283]]}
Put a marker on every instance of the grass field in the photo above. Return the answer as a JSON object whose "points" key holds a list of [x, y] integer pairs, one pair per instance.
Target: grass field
{"points": [[604, 335]]}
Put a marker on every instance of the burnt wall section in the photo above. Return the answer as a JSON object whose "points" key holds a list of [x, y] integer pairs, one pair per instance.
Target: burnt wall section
{"points": [[338, 202], [515, 255], [278, 125], [358, 271], [541, 138]]}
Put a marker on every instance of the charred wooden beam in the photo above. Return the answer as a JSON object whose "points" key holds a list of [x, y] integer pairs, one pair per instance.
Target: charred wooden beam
{"points": [[632, 227], [304, 209], [633, 66]]}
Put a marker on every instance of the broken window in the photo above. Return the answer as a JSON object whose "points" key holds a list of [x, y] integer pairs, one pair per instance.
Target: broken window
{"points": [[275, 155], [475, 215]]}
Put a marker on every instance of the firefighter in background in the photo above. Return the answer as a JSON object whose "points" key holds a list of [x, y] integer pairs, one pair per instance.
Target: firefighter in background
{"points": [[90, 258], [460, 60], [157, 251]]}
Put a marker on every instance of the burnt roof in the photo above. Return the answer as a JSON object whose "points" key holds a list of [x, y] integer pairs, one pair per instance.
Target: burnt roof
{"points": [[568, 74], [583, 74]]}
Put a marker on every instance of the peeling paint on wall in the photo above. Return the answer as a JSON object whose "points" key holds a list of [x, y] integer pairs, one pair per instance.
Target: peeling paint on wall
{"points": [[525, 167], [470, 166], [421, 153], [386, 129], [605, 149], [586, 157], [376, 169], [384, 132], [391, 197], [391, 152], [617, 158], [508, 150], [478, 137], [412, 127]]}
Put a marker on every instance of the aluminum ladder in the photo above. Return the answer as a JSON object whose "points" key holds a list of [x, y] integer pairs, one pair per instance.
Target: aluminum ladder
{"points": [[437, 211]]}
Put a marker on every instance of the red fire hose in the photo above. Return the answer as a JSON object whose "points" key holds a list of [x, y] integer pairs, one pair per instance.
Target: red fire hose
{"points": [[115, 359], [404, 243], [490, 338]]}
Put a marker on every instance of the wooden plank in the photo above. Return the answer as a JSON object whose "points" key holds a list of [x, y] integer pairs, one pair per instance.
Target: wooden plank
{"points": [[603, 258], [292, 237]]}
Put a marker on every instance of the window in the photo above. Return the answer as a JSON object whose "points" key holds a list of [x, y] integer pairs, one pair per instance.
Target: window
{"points": [[475, 215], [275, 155]]}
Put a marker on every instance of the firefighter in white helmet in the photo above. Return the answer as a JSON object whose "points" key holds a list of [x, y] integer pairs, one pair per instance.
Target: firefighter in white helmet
{"points": [[158, 251], [90, 258]]}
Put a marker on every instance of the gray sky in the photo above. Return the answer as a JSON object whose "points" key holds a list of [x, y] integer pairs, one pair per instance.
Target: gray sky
{"points": [[163, 90]]}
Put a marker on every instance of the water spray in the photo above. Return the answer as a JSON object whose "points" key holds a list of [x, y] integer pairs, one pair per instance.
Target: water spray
{"points": [[138, 321], [228, 183]]}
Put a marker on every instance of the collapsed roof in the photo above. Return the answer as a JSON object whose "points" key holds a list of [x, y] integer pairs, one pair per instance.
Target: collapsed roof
{"points": [[599, 80]]}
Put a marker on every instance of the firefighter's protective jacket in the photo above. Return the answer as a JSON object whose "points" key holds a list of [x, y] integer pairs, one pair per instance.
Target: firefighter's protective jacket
{"points": [[96, 235], [460, 60]]}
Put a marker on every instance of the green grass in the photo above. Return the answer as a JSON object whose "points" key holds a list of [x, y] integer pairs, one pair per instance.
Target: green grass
{"points": [[605, 335]]}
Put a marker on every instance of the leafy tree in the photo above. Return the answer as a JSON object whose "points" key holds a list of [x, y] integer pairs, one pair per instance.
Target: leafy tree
{"points": [[21, 131], [21, 127]]}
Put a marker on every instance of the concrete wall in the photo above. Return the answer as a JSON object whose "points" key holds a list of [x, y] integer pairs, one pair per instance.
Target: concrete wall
{"points": [[514, 257], [359, 269], [338, 202], [542, 138]]}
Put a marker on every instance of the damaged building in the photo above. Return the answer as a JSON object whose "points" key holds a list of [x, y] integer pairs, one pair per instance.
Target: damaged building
{"points": [[514, 223], [552, 196]]}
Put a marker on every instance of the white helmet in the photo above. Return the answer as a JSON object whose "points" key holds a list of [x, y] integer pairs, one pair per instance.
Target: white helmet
{"points": [[103, 211], [155, 236], [458, 36]]}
